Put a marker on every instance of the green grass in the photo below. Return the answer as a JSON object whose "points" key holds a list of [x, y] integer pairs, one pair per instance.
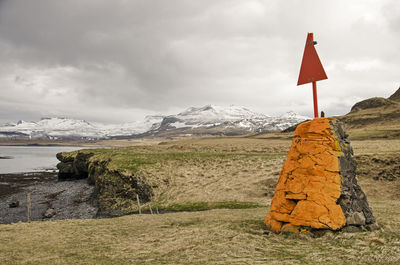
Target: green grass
{"points": [[132, 160], [202, 206]]}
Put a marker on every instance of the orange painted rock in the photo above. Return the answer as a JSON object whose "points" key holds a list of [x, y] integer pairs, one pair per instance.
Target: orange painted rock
{"points": [[319, 174]]}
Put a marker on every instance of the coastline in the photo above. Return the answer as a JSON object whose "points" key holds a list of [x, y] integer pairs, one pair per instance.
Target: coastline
{"points": [[51, 199], [92, 143], [47, 143]]}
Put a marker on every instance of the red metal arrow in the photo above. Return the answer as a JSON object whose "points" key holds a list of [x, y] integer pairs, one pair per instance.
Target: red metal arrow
{"points": [[311, 69]]}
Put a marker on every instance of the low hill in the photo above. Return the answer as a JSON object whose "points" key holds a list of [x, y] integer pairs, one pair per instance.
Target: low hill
{"points": [[373, 103], [376, 115]]}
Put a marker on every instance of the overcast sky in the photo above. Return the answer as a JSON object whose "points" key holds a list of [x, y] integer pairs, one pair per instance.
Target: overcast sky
{"points": [[118, 60]]}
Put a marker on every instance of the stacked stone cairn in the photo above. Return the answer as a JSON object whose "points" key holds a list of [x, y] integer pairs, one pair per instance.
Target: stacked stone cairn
{"points": [[317, 189]]}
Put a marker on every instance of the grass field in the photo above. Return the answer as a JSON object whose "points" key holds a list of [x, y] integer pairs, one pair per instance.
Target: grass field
{"points": [[234, 173]]}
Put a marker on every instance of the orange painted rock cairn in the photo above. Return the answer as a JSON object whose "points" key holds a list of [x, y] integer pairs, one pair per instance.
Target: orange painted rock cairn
{"points": [[317, 187]]}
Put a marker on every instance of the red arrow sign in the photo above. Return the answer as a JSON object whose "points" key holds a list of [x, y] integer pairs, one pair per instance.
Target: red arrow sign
{"points": [[311, 69]]}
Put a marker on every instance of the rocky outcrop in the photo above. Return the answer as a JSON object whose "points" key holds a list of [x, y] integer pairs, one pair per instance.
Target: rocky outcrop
{"points": [[115, 190], [317, 187], [396, 95], [372, 103], [73, 167]]}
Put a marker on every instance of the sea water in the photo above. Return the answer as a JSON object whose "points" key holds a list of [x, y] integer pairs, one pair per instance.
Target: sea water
{"points": [[31, 158]]}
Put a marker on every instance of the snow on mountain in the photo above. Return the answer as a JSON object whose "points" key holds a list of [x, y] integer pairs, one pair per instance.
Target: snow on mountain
{"points": [[131, 128], [209, 116], [230, 117], [60, 128], [286, 120], [52, 128]]}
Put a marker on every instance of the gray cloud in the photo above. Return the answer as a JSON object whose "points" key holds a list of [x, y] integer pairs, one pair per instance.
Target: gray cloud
{"points": [[119, 60]]}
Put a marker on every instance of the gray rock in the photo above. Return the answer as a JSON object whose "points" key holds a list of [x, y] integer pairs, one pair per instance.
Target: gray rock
{"points": [[352, 200], [13, 204], [50, 212], [355, 218]]}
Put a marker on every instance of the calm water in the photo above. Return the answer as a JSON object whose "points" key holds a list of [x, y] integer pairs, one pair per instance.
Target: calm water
{"points": [[31, 158]]}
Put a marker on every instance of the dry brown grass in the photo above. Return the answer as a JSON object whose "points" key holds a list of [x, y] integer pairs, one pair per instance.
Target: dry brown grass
{"points": [[209, 237], [246, 174], [222, 236], [236, 178], [377, 147]]}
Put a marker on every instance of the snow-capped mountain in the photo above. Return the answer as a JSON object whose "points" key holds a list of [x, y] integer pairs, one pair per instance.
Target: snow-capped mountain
{"points": [[131, 128], [209, 119], [229, 118], [64, 128], [211, 115]]}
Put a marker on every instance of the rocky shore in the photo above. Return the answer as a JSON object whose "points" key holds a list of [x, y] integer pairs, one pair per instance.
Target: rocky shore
{"points": [[115, 189], [85, 186], [51, 199]]}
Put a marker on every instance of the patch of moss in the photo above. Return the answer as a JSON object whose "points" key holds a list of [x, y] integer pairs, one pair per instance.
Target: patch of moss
{"points": [[133, 162]]}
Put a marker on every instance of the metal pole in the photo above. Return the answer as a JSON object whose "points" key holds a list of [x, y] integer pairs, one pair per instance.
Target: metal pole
{"points": [[314, 86], [28, 206], [138, 203]]}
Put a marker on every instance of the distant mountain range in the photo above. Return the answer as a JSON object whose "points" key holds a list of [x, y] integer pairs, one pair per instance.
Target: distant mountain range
{"points": [[207, 120]]}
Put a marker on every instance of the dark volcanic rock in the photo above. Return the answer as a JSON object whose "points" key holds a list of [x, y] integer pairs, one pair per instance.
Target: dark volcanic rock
{"points": [[81, 164], [352, 199], [65, 170], [73, 167], [13, 204], [167, 121]]}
